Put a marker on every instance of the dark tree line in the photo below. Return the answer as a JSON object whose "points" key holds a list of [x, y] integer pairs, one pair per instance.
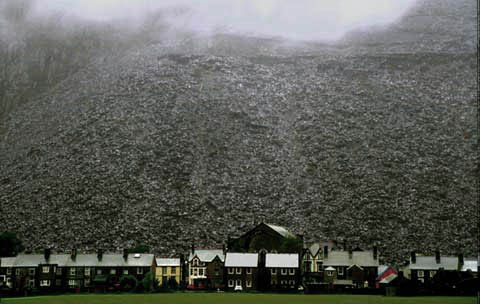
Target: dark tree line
{"points": [[37, 52]]}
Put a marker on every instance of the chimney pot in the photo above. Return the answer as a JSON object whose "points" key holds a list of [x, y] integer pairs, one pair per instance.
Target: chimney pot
{"points": [[375, 252], [461, 260], [100, 254], [193, 249], [125, 254], [325, 252], [437, 256]]}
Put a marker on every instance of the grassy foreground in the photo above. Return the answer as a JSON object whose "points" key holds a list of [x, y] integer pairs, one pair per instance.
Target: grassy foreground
{"points": [[228, 298]]}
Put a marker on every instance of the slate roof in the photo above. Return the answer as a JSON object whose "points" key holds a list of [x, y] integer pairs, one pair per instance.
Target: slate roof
{"points": [[470, 264], [342, 258], [207, 255], [429, 263], [280, 230], [168, 262], [281, 260], [84, 260], [241, 260], [7, 262]]}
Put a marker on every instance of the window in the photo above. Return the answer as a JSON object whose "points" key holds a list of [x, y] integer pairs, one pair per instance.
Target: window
{"points": [[59, 271], [2, 278], [58, 282], [195, 271], [195, 262], [273, 282], [239, 283], [164, 270], [217, 271], [230, 270], [329, 273], [139, 270], [249, 283], [31, 271], [9, 282], [340, 270], [44, 283], [292, 283], [72, 271], [17, 271], [113, 271], [99, 271], [200, 272], [31, 283], [284, 270], [125, 271], [283, 282], [54, 269], [87, 271], [230, 283], [274, 271], [45, 269], [9, 271], [173, 270], [72, 283], [433, 273], [291, 271], [420, 274], [319, 266], [191, 271], [249, 270], [239, 270], [421, 280], [87, 282]]}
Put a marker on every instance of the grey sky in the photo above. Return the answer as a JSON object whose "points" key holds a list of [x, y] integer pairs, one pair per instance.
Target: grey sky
{"points": [[293, 19]]}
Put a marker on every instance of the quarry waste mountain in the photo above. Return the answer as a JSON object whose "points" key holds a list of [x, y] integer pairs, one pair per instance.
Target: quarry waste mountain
{"points": [[371, 139]]}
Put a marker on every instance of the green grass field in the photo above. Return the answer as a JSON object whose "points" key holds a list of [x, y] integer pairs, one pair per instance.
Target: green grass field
{"points": [[228, 298]]}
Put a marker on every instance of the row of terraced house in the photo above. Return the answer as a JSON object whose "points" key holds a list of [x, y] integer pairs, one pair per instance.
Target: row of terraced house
{"points": [[266, 258]]}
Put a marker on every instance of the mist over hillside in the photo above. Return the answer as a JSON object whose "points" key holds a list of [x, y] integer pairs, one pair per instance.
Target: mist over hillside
{"points": [[185, 137]]}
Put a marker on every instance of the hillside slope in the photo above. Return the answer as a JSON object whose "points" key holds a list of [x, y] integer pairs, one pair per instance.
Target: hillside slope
{"points": [[169, 146]]}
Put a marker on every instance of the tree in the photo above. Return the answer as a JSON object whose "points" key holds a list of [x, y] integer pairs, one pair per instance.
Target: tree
{"points": [[128, 282], [10, 245], [291, 245], [139, 248], [147, 282]]}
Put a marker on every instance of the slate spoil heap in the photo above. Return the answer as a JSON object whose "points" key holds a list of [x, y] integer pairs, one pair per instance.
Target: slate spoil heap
{"points": [[189, 140]]}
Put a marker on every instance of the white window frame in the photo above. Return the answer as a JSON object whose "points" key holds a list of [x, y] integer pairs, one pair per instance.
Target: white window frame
{"points": [[231, 270], [249, 270], [18, 272], [284, 271], [45, 283], [125, 271], [200, 272], [73, 271], [87, 282], [72, 283], [139, 270], [113, 271], [31, 271], [273, 282], [231, 283], [9, 271], [340, 270], [291, 271], [31, 283], [99, 272], [432, 273], [273, 271], [421, 280], [291, 282], [248, 283], [420, 274], [9, 282], [59, 271], [87, 271], [238, 270], [195, 272], [238, 282], [45, 269], [329, 273]]}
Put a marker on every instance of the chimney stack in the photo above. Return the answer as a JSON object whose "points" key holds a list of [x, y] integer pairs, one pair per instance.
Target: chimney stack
{"points": [[125, 254], [73, 254], [375, 252], [193, 249], [345, 245], [325, 252], [461, 261], [224, 249], [350, 253], [413, 257], [437, 256], [100, 254], [46, 253]]}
